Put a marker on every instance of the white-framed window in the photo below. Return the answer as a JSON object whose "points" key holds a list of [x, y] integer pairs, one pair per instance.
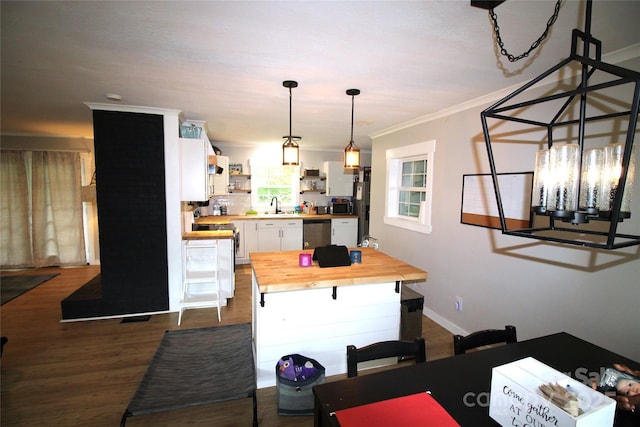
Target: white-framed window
{"points": [[274, 180], [410, 186]]}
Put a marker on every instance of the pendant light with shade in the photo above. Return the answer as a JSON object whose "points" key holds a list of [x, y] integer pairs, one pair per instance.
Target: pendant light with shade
{"points": [[290, 148], [351, 151]]}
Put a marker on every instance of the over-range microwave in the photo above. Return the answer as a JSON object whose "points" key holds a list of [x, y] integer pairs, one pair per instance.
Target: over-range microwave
{"points": [[341, 208]]}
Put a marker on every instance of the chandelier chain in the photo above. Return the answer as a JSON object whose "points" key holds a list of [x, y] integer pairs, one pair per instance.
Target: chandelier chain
{"points": [[534, 45]]}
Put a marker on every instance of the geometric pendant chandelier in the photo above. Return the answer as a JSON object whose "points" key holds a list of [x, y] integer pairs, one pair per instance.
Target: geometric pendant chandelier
{"points": [[576, 122]]}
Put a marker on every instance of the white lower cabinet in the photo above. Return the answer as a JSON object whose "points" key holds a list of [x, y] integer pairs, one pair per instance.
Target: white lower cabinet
{"points": [[344, 231], [279, 235], [261, 235], [207, 274], [248, 240]]}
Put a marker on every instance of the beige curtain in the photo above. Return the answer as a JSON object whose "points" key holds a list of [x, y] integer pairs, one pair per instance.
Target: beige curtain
{"points": [[15, 230], [54, 212]]}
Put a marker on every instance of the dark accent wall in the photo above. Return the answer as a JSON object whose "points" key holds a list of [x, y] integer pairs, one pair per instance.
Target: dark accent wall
{"points": [[129, 158]]}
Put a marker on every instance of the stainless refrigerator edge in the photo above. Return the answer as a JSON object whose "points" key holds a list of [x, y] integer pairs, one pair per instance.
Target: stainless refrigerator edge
{"points": [[361, 197]]}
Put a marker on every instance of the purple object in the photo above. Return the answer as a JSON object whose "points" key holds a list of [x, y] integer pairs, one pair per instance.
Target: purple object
{"points": [[305, 372], [287, 369], [304, 260]]}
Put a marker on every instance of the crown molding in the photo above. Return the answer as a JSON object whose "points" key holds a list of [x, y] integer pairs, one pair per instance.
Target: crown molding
{"points": [[625, 54]]}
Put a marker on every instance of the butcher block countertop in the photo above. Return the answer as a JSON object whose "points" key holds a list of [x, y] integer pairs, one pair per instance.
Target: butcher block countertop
{"points": [[279, 271], [221, 219], [207, 235]]}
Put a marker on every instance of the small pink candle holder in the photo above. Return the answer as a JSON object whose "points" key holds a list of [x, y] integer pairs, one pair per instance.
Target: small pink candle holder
{"points": [[304, 260]]}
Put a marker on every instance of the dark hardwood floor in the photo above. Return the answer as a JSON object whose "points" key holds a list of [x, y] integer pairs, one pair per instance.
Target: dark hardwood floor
{"points": [[85, 373]]}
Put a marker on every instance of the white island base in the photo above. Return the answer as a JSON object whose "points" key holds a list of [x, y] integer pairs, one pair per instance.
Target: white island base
{"points": [[312, 323]]}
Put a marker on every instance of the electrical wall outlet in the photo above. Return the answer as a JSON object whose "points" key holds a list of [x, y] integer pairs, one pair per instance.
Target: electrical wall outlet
{"points": [[458, 304]]}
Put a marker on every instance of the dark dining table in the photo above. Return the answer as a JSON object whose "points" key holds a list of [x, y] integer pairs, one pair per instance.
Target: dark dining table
{"points": [[462, 384]]}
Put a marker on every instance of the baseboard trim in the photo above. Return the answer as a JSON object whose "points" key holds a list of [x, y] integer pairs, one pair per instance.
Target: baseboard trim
{"points": [[115, 316], [445, 323]]}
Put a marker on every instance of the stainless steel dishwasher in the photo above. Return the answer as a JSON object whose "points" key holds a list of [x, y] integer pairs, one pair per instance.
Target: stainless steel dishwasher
{"points": [[316, 233]]}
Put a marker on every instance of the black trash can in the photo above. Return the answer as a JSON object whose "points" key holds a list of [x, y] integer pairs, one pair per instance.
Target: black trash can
{"points": [[295, 377], [411, 314]]}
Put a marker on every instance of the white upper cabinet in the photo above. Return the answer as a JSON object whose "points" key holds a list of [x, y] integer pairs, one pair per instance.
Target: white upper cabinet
{"points": [[198, 178], [220, 180], [339, 180], [194, 170]]}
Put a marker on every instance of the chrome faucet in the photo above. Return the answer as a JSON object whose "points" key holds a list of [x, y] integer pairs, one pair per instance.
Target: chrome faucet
{"points": [[277, 208]]}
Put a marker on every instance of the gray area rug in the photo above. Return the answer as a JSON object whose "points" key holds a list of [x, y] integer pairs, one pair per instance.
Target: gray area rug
{"points": [[14, 286], [197, 367]]}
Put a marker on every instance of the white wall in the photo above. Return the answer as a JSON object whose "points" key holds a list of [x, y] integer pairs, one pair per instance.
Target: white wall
{"points": [[540, 288]]}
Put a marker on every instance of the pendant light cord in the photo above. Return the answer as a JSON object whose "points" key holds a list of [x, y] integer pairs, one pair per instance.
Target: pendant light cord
{"points": [[290, 117], [290, 84], [352, 93], [534, 45], [352, 107]]}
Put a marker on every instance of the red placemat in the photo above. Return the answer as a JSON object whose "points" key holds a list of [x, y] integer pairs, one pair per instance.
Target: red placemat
{"points": [[413, 410]]}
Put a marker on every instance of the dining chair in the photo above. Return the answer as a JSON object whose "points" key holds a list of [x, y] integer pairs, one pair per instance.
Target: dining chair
{"points": [[382, 350], [485, 337]]}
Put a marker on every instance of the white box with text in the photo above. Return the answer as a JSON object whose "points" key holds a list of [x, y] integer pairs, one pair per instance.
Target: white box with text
{"points": [[516, 399]]}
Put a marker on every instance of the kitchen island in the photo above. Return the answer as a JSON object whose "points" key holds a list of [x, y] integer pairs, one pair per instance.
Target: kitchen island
{"points": [[317, 311]]}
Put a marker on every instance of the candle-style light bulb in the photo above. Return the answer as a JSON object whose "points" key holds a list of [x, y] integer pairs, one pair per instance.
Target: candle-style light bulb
{"points": [[591, 181], [563, 165]]}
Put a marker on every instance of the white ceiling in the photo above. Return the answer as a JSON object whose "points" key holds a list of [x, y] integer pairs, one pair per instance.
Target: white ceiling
{"points": [[224, 61]]}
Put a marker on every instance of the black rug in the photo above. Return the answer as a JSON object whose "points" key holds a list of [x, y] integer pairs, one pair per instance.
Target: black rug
{"points": [[135, 319], [14, 286], [197, 367]]}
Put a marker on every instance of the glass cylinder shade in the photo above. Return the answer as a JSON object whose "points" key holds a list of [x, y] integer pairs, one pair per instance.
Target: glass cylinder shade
{"points": [[591, 181], [290, 153], [540, 182], [563, 190], [351, 156], [628, 187], [613, 154]]}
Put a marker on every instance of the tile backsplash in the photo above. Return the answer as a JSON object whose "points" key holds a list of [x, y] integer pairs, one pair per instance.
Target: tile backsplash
{"points": [[241, 203]]}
